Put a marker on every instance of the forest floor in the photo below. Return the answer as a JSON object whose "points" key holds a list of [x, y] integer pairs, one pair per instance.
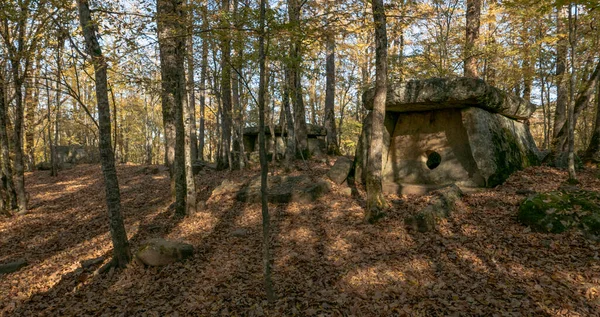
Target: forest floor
{"points": [[327, 261]]}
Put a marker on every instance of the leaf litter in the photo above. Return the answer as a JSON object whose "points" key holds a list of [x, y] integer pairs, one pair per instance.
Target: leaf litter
{"points": [[326, 260]]}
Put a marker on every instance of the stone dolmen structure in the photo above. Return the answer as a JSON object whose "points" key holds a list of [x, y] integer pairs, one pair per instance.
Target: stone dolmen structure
{"points": [[444, 131], [315, 135]]}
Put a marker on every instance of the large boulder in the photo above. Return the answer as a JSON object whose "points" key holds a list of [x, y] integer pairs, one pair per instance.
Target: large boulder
{"points": [[447, 93], [161, 252], [340, 170], [558, 211], [499, 145]]}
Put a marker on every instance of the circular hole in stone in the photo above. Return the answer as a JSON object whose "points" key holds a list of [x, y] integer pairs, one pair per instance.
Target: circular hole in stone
{"points": [[433, 159]]}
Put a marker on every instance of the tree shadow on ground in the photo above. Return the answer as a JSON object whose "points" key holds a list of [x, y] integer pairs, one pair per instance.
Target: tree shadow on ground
{"points": [[328, 261]]}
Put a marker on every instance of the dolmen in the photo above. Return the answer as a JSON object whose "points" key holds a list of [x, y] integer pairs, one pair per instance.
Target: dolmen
{"points": [[444, 131]]}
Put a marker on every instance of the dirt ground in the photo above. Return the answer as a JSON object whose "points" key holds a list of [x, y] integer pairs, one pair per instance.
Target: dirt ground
{"points": [[327, 261]]}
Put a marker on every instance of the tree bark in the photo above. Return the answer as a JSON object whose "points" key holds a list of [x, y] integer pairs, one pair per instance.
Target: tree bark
{"points": [[472, 33], [171, 27], [264, 167], [31, 102], [375, 200], [225, 160], [121, 252], [571, 116], [191, 82], [7, 180], [294, 11], [203, 70], [290, 149], [332, 145], [562, 94]]}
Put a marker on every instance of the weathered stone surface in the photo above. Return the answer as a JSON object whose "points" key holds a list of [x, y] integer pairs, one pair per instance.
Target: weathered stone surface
{"points": [[440, 207], [285, 189], [340, 170], [470, 147], [446, 93], [161, 252], [13, 266], [558, 211], [198, 166], [499, 145]]}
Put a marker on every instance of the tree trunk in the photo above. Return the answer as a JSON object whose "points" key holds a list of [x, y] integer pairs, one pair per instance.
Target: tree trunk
{"points": [[171, 27], [472, 33], [7, 180], [167, 46], [562, 95], [264, 167], [571, 116], [332, 145], [290, 149], [375, 200], [121, 252], [18, 137], [31, 102], [294, 10], [225, 160], [203, 68], [191, 83]]}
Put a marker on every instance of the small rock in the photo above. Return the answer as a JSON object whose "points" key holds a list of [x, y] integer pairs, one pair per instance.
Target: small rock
{"points": [[12, 266], [441, 206], [346, 191], [161, 252]]}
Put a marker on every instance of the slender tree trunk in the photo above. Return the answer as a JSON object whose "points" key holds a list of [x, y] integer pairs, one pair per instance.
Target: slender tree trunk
{"points": [[562, 94], [225, 159], [294, 10], [290, 149], [190, 156], [472, 33], [203, 68], [121, 252], [7, 180], [31, 102], [264, 167], [191, 83], [375, 200], [171, 27], [571, 116], [18, 137], [332, 145]]}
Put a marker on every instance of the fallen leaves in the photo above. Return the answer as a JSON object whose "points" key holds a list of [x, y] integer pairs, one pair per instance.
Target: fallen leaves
{"points": [[327, 261]]}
